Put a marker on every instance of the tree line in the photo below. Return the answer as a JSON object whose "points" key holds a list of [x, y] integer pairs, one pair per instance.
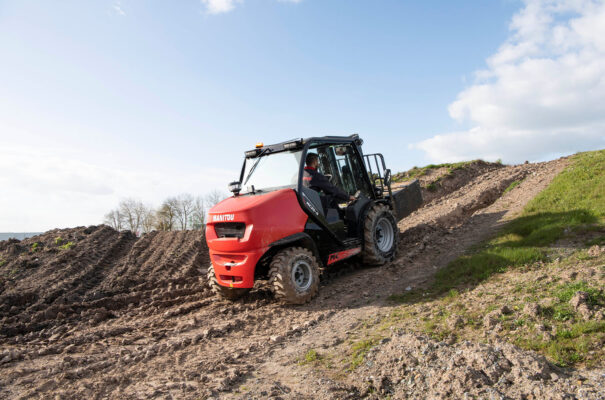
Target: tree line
{"points": [[176, 213]]}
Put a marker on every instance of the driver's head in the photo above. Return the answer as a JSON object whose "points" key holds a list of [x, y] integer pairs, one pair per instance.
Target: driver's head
{"points": [[312, 160]]}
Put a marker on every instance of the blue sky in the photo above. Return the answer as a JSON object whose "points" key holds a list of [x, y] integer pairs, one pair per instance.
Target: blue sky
{"points": [[105, 100]]}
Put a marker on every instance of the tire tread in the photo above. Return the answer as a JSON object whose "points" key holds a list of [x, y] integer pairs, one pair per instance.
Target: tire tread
{"points": [[371, 254], [281, 287]]}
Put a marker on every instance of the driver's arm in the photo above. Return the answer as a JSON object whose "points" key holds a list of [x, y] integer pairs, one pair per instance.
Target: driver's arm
{"points": [[321, 182]]}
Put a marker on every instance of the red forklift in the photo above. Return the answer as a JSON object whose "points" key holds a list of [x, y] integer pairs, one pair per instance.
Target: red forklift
{"points": [[277, 228]]}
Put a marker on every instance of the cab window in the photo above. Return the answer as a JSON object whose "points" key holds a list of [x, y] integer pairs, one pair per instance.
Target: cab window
{"points": [[341, 163]]}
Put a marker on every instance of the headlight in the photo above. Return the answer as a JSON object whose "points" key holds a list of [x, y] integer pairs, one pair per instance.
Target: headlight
{"points": [[235, 187]]}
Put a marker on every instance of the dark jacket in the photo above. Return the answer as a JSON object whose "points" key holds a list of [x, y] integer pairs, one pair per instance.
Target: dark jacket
{"points": [[316, 181]]}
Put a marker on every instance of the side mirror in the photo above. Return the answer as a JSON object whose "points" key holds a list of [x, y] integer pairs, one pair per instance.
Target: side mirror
{"points": [[235, 187]]}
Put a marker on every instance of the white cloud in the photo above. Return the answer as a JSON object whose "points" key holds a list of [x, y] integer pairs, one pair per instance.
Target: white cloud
{"points": [[543, 92], [117, 8], [224, 6], [45, 189], [219, 6]]}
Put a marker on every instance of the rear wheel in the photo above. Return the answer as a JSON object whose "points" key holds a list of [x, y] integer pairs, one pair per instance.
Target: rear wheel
{"points": [[294, 275], [224, 292], [380, 235]]}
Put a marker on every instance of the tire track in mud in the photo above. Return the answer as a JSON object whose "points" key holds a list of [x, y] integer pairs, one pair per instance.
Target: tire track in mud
{"points": [[90, 278], [158, 341], [158, 331]]}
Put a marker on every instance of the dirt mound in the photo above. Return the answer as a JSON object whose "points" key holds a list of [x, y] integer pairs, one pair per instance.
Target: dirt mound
{"points": [[438, 182], [416, 367], [61, 274]]}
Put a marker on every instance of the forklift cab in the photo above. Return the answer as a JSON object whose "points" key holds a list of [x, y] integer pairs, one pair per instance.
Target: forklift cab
{"points": [[342, 163]]}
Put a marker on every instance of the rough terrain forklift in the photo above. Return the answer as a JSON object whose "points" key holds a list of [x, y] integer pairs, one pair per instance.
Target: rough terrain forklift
{"points": [[277, 228]]}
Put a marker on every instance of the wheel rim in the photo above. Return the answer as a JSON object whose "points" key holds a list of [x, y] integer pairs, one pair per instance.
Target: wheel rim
{"points": [[384, 235], [301, 275]]}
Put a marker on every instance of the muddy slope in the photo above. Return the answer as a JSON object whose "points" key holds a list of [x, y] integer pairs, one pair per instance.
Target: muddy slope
{"points": [[133, 318]]}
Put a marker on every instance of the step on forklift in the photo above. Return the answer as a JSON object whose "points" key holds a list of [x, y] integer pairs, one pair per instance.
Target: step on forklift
{"points": [[278, 228]]}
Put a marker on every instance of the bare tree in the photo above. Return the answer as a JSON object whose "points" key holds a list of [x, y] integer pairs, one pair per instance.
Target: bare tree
{"points": [[114, 219], [198, 214], [132, 211], [184, 209], [175, 213], [148, 219], [166, 215], [214, 197]]}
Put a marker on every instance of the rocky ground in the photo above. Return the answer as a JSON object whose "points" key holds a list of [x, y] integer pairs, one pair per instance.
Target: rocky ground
{"points": [[93, 313]]}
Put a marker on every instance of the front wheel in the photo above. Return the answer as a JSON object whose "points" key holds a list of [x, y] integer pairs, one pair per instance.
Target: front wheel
{"points": [[294, 275], [380, 235], [222, 291]]}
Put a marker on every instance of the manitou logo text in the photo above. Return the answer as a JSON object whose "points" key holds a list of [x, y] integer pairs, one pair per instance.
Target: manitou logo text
{"points": [[223, 217]]}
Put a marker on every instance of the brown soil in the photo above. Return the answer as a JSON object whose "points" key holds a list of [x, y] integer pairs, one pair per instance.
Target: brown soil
{"points": [[415, 367], [121, 317]]}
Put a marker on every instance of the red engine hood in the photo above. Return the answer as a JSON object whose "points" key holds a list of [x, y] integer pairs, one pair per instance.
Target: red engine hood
{"points": [[247, 202], [268, 218]]}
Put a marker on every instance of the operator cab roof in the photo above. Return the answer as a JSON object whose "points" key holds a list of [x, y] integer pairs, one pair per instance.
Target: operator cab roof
{"points": [[299, 143]]}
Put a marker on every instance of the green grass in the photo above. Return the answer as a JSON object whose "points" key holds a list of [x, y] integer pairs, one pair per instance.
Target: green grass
{"points": [[359, 350], [320, 362], [595, 296], [600, 240], [512, 186], [431, 187], [35, 247], [570, 346], [572, 204], [58, 240], [67, 246], [560, 313], [310, 357], [577, 191]]}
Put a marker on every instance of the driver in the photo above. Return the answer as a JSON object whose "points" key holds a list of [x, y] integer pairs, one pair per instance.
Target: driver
{"points": [[313, 179]]}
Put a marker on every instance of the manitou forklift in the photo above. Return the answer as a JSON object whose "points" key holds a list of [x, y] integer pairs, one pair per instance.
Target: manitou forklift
{"points": [[277, 228]]}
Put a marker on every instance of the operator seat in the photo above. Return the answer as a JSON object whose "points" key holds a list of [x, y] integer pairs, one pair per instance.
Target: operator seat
{"points": [[314, 198], [320, 202]]}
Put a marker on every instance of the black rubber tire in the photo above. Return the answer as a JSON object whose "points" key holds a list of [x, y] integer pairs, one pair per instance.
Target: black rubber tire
{"points": [[224, 292], [281, 278], [372, 253]]}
